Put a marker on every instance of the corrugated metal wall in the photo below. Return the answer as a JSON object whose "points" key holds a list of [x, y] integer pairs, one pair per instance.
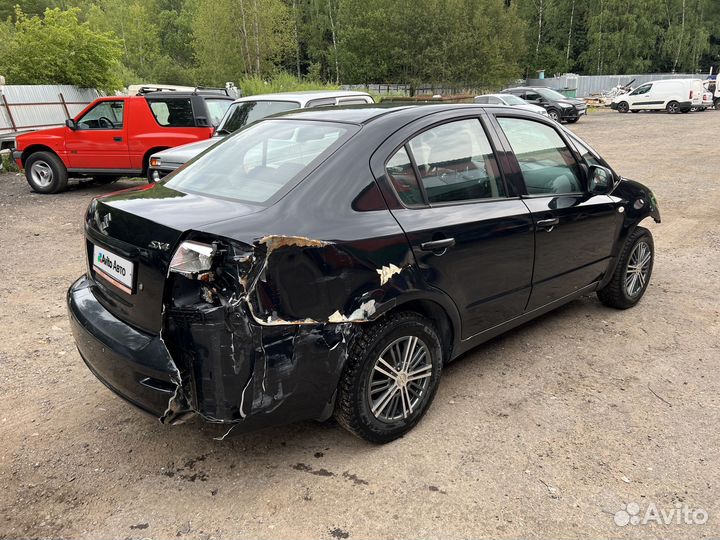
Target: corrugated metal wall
{"points": [[586, 85], [40, 106]]}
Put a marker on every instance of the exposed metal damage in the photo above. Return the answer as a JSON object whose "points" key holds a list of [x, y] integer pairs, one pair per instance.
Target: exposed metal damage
{"points": [[227, 330]]}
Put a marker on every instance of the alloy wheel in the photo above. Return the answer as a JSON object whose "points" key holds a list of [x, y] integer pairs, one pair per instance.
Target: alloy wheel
{"points": [[637, 269], [399, 379], [41, 173], [554, 115]]}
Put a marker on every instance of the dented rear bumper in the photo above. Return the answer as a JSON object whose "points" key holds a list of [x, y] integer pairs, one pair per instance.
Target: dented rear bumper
{"points": [[133, 364], [225, 368]]}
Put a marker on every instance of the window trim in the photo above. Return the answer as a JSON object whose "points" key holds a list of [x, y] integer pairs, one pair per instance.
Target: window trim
{"points": [[406, 144], [569, 144]]}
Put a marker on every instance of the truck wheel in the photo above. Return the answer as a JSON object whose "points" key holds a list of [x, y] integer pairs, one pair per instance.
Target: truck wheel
{"points": [[46, 173], [673, 107], [632, 273], [623, 107], [391, 375]]}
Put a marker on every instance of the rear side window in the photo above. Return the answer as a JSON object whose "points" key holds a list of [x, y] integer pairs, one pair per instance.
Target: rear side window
{"points": [[481, 99], [354, 101], [256, 163], [400, 172], [172, 112], [246, 112], [547, 164], [216, 109], [320, 102]]}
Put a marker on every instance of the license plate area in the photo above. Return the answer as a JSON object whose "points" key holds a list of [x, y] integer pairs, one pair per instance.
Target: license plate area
{"points": [[114, 269]]}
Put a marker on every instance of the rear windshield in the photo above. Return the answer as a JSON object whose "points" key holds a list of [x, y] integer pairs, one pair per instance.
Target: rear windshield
{"points": [[258, 162], [247, 112], [216, 109]]}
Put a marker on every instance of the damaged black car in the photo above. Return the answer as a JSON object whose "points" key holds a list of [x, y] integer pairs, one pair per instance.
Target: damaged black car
{"points": [[330, 262]]}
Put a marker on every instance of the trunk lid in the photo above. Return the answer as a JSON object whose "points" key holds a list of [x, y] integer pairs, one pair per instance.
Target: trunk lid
{"points": [[138, 231]]}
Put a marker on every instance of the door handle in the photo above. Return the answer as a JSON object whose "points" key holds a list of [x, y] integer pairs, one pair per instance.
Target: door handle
{"points": [[438, 245], [548, 224], [117, 139]]}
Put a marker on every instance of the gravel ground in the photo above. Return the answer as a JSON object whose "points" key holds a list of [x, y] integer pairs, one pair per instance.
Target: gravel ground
{"points": [[545, 432]]}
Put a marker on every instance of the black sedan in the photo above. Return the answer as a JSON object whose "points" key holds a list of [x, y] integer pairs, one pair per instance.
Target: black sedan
{"points": [[330, 262], [560, 108]]}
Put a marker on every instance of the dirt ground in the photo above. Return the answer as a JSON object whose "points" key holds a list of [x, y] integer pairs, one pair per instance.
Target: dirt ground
{"points": [[545, 432]]}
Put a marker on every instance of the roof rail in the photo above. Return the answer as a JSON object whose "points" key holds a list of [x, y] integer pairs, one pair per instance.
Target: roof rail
{"points": [[211, 89], [147, 89]]}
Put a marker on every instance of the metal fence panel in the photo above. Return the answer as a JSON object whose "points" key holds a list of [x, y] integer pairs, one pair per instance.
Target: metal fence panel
{"points": [[39, 106], [587, 85]]}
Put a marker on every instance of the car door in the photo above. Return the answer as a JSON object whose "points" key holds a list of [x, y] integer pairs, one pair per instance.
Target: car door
{"points": [[470, 234], [641, 97], [574, 230], [99, 140]]}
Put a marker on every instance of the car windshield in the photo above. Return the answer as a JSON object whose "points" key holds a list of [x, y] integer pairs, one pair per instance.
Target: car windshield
{"points": [[547, 93], [217, 109], [241, 114], [256, 163], [513, 100]]}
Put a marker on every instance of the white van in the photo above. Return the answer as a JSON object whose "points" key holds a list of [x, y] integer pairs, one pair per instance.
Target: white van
{"points": [[672, 95]]}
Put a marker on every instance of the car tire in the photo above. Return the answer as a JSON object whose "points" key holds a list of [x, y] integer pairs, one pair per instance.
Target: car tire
{"points": [[572, 120], [375, 401], [634, 111], [686, 110], [673, 107], [554, 114], [46, 173], [623, 107], [623, 290]]}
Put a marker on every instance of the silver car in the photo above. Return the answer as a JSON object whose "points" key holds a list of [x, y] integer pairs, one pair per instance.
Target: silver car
{"points": [[246, 110]]}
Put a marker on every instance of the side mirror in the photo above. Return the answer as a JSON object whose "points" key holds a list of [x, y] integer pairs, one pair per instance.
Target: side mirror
{"points": [[601, 180], [71, 123]]}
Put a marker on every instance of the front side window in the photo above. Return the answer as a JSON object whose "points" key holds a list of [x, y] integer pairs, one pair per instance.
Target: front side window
{"points": [[172, 112], [547, 164], [104, 115], [241, 114], [644, 89], [481, 99], [258, 162], [588, 155], [456, 163], [531, 95]]}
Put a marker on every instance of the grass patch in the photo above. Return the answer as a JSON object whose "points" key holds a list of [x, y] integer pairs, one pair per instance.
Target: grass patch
{"points": [[280, 82]]}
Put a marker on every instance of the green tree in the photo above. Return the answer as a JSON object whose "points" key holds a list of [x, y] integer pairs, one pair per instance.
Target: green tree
{"points": [[58, 49]]}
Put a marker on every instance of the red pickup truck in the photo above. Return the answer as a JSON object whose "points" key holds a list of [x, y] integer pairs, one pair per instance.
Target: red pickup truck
{"points": [[115, 136]]}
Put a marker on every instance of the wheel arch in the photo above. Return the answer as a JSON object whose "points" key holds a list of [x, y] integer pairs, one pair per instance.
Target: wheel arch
{"points": [[444, 316], [148, 153], [27, 152]]}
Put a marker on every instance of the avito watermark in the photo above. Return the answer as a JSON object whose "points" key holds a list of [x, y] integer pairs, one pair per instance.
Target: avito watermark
{"points": [[679, 514]]}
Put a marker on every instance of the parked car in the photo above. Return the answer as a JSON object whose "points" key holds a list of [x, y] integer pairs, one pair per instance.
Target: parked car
{"points": [[509, 100], [249, 109], [672, 95], [560, 108], [115, 136], [333, 261]]}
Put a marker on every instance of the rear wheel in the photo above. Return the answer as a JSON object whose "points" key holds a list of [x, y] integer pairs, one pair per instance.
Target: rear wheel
{"points": [[673, 107], [390, 378], [623, 107], [46, 173], [632, 273]]}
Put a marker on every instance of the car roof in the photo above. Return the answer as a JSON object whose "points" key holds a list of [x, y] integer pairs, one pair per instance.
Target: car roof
{"points": [[364, 114], [302, 96]]}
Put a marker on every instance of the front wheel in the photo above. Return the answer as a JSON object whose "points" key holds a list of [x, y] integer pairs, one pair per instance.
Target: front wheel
{"points": [[554, 114], [390, 378], [46, 173], [632, 273], [623, 107]]}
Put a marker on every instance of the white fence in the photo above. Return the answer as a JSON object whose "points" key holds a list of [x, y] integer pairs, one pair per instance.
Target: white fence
{"points": [[25, 107]]}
